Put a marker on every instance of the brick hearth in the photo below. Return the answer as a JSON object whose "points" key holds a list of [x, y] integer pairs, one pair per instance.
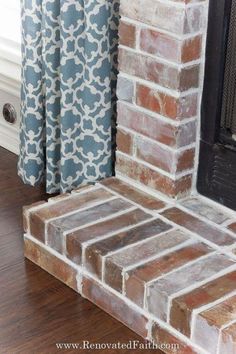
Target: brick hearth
{"points": [[166, 271], [152, 253]]}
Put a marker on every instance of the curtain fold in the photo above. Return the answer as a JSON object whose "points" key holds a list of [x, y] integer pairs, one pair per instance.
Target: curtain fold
{"points": [[69, 57]]}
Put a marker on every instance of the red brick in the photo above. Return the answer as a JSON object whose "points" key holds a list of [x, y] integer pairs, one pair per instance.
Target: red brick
{"points": [[153, 179], [124, 141], [203, 229], [132, 193], [76, 239], [208, 324], [127, 34], [171, 343], [146, 125], [170, 48], [185, 160], [115, 306], [191, 49], [168, 160], [155, 155], [53, 265], [116, 264], [57, 228], [95, 252], [164, 15], [26, 213], [138, 277], [182, 306], [232, 227], [169, 106], [166, 288], [148, 68], [156, 129], [228, 340], [205, 209], [160, 44], [39, 217]]}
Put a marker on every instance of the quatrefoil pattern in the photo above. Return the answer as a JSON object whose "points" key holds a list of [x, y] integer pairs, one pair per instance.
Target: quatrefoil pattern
{"points": [[69, 55]]}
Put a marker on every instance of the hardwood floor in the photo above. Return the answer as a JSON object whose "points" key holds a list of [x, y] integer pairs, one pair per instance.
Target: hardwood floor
{"points": [[36, 310]]}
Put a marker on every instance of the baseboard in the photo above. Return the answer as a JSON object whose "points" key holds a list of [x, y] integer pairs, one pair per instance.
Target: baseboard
{"points": [[9, 138]]}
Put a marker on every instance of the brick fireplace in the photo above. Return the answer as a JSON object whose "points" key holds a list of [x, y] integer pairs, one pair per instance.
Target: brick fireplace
{"points": [[161, 63], [144, 245]]}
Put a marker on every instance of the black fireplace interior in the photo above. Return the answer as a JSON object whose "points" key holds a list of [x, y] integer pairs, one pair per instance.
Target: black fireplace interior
{"points": [[217, 160]]}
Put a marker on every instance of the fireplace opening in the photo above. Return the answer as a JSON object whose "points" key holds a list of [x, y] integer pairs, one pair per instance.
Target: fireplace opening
{"points": [[228, 113], [217, 160]]}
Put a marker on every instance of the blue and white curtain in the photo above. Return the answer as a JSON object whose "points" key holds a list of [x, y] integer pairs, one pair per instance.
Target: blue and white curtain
{"points": [[69, 52]]}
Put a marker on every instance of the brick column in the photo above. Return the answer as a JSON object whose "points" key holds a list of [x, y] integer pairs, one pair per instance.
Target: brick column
{"points": [[159, 89]]}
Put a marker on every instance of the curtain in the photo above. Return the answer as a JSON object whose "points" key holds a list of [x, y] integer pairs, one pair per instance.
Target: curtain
{"points": [[69, 55]]}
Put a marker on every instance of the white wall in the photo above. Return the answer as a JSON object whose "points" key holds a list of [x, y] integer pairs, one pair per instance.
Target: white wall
{"points": [[10, 59]]}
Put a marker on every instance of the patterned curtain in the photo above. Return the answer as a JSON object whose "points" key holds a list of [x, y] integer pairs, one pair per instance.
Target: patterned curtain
{"points": [[69, 54]]}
